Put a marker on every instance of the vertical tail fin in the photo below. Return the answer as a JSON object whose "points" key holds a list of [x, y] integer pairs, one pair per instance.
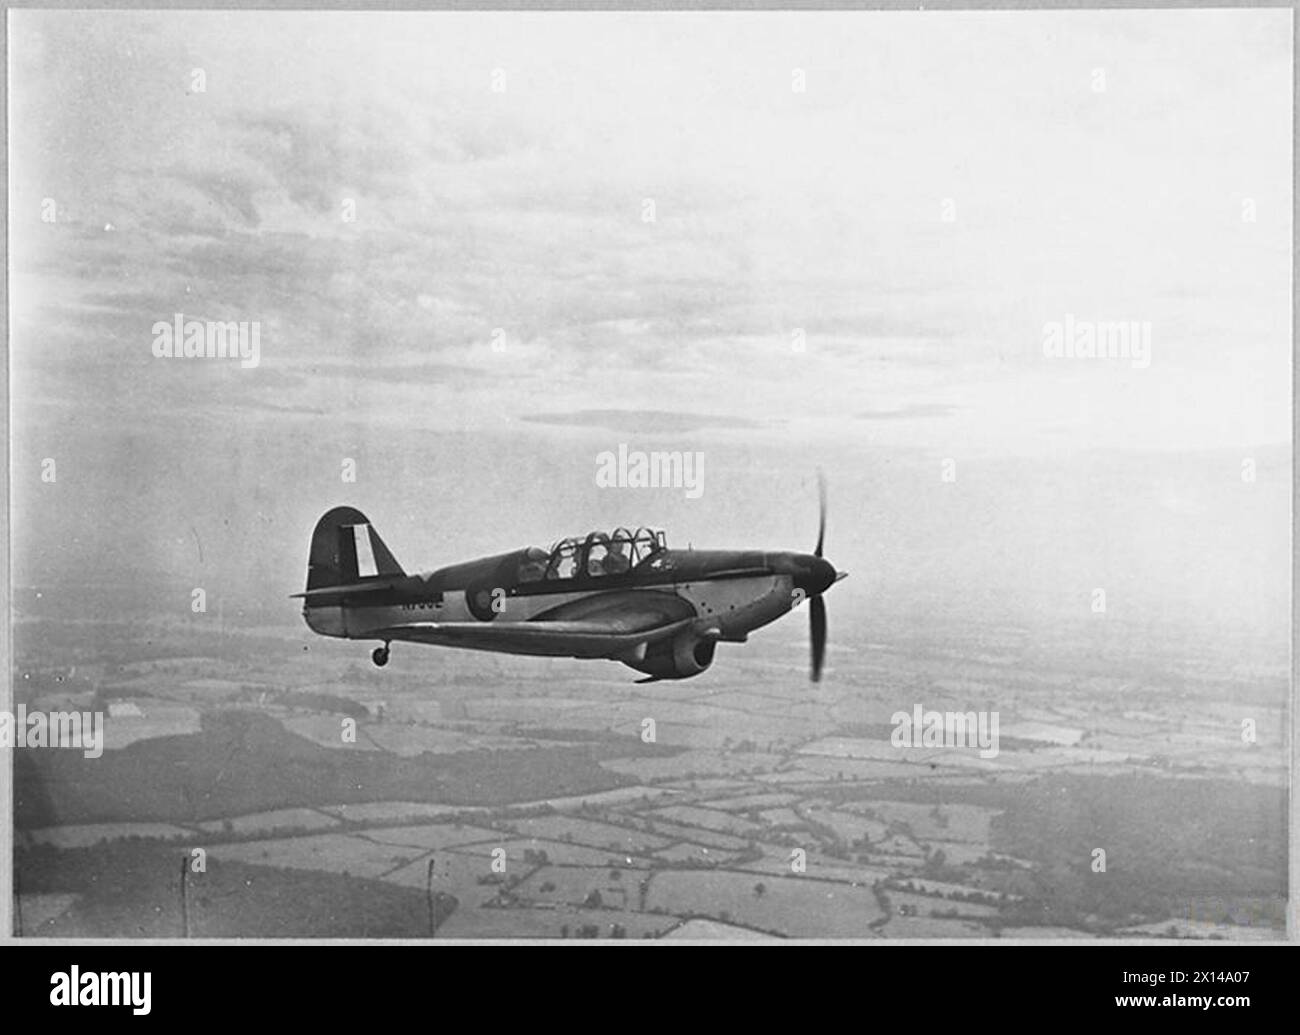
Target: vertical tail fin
{"points": [[346, 549]]}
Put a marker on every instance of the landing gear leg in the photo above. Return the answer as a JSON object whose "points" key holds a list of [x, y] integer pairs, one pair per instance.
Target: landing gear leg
{"points": [[380, 655]]}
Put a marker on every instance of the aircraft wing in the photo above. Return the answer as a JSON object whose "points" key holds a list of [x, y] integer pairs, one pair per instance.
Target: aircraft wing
{"points": [[597, 627]]}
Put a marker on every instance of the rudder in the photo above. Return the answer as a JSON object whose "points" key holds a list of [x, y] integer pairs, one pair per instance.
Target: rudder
{"points": [[345, 549]]}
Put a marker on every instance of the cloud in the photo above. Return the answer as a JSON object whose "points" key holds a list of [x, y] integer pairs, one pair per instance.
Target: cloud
{"points": [[912, 411], [643, 422], [230, 191], [523, 210]]}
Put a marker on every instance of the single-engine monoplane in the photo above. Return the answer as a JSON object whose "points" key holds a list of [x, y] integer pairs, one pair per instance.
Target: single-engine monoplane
{"points": [[623, 595]]}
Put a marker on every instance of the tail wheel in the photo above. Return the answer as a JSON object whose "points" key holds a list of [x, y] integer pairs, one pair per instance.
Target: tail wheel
{"points": [[380, 656]]}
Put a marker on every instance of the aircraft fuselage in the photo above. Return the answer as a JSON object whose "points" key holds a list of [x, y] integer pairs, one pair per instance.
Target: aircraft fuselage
{"points": [[735, 591]]}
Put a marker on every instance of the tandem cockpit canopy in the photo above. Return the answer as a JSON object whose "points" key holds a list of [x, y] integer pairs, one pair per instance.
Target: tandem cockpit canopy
{"points": [[594, 556]]}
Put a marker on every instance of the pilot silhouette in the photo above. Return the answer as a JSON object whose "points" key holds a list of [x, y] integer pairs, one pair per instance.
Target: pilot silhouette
{"points": [[616, 561]]}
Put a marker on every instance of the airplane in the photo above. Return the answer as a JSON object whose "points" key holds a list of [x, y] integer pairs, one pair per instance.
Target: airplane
{"points": [[623, 596]]}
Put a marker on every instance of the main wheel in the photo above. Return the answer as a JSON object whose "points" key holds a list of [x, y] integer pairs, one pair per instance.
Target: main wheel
{"points": [[380, 656]]}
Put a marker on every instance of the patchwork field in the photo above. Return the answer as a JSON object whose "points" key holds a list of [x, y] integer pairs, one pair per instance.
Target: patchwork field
{"points": [[484, 806]]}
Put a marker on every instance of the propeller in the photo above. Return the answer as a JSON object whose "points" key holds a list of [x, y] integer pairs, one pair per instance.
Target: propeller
{"points": [[817, 629], [821, 506], [817, 606]]}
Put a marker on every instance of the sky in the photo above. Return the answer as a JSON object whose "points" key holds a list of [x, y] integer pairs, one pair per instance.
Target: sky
{"points": [[483, 248]]}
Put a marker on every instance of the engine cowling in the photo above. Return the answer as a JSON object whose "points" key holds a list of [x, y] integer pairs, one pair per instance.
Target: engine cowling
{"points": [[685, 655]]}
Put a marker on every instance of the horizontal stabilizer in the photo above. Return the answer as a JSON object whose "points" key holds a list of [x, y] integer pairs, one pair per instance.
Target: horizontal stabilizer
{"points": [[355, 587]]}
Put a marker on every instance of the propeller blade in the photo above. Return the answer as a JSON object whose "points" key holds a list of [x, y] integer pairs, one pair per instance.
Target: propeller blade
{"points": [[821, 522], [817, 629]]}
